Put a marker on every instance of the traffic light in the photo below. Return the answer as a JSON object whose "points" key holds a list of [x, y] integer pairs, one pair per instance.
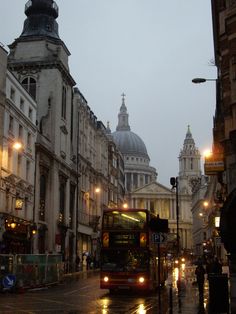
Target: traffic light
{"points": [[173, 181]]}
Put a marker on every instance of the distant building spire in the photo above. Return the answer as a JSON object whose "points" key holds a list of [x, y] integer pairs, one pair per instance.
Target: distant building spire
{"points": [[189, 144], [41, 19], [123, 117], [189, 163], [108, 131], [188, 134]]}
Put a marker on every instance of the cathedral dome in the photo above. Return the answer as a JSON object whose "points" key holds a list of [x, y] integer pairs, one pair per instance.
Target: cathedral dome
{"points": [[127, 141], [130, 143]]}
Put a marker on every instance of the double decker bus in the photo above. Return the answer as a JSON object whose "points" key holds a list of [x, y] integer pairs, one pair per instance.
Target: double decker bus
{"points": [[129, 258]]}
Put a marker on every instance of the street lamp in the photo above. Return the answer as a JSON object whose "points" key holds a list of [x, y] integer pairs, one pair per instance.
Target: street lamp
{"points": [[97, 200], [199, 80], [17, 146], [97, 190], [125, 205]]}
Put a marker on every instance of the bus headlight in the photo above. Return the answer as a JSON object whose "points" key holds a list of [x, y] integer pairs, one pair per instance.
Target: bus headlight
{"points": [[141, 280], [105, 279]]}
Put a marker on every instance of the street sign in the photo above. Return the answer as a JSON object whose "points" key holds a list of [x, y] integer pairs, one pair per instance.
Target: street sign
{"points": [[9, 281], [158, 225], [214, 164], [159, 237]]}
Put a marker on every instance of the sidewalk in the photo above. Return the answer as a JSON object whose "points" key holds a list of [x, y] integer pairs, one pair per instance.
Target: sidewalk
{"points": [[83, 272], [186, 300]]}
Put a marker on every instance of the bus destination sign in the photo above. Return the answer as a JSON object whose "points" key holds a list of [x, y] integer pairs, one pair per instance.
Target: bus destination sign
{"points": [[123, 239]]}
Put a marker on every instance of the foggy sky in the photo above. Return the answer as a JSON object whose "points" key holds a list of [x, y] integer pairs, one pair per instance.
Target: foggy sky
{"points": [[148, 49]]}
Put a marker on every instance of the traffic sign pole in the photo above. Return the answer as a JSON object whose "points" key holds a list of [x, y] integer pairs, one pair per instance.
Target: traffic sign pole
{"points": [[159, 276]]}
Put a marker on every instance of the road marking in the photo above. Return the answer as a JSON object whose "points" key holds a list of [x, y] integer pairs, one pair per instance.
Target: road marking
{"points": [[84, 287], [71, 292], [77, 290]]}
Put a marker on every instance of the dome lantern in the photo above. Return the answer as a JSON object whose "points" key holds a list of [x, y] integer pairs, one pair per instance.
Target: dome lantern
{"points": [[41, 19]]}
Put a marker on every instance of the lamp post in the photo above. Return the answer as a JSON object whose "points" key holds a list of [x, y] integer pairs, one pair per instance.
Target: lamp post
{"points": [[199, 80], [175, 184]]}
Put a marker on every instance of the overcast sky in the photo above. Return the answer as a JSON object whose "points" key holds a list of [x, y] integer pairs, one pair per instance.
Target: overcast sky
{"points": [[148, 49]]}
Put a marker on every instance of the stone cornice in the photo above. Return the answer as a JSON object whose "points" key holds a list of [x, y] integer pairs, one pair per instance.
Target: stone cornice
{"points": [[39, 65], [55, 41]]}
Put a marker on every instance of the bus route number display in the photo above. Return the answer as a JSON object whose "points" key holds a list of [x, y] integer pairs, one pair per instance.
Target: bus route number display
{"points": [[121, 239]]}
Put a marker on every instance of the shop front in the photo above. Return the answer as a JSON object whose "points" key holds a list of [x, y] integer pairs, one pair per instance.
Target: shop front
{"points": [[16, 235]]}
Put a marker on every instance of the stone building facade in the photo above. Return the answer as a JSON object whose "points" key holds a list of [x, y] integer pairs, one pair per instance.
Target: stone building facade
{"points": [[100, 169], [17, 165], [72, 148]]}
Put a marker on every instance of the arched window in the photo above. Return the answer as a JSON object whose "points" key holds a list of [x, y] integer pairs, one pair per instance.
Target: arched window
{"points": [[29, 84]]}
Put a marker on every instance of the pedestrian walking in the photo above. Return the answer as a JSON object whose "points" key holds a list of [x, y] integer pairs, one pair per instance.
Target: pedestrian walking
{"points": [[200, 275], [88, 262], [77, 262]]}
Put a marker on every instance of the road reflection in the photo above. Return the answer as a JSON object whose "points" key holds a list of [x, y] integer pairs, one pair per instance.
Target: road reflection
{"points": [[131, 302]]}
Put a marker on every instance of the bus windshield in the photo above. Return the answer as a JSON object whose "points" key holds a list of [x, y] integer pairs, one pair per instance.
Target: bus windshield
{"points": [[124, 220], [125, 260]]}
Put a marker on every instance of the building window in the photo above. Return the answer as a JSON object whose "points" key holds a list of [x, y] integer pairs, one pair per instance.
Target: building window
{"points": [[7, 201], [20, 135], [72, 205], [9, 162], [22, 104], [114, 162], [29, 139], [12, 94], [30, 113], [11, 124], [128, 181], [191, 163], [63, 103], [141, 181], [27, 170], [29, 84], [135, 181], [19, 164]]}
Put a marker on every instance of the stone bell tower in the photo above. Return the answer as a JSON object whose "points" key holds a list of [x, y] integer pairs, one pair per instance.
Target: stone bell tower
{"points": [[189, 164], [39, 59], [189, 175]]}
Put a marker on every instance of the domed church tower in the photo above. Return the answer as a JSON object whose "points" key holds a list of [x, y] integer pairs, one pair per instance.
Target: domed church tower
{"points": [[189, 164], [41, 19], [189, 175], [136, 159], [39, 60]]}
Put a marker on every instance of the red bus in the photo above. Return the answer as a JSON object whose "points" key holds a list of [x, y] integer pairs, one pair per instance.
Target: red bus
{"points": [[129, 258]]}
